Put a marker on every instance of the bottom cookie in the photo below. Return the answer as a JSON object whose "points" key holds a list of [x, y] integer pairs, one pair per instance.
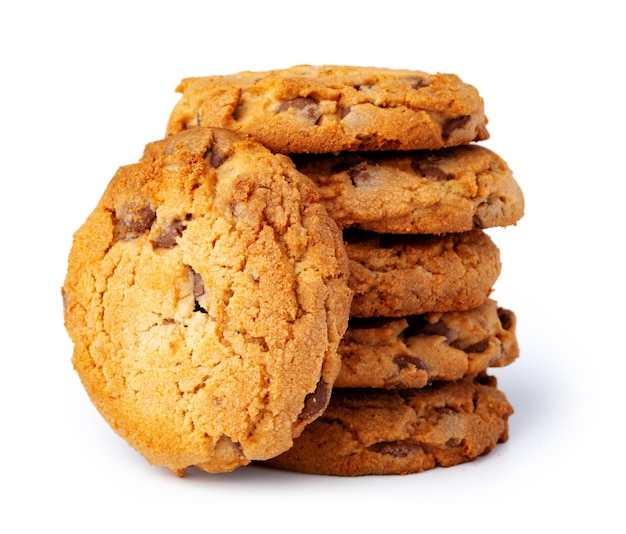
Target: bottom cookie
{"points": [[386, 432]]}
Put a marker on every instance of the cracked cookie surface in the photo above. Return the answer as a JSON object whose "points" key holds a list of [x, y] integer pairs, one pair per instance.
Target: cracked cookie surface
{"points": [[417, 192], [388, 432], [206, 295], [414, 351], [395, 275], [328, 109]]}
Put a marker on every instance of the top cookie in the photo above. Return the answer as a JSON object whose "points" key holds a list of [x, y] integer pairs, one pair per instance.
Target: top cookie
{"points": [[206, 295], [328, 109]]}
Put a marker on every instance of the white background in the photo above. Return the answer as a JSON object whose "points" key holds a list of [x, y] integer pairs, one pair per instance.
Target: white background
{"points": [[84, 88]]}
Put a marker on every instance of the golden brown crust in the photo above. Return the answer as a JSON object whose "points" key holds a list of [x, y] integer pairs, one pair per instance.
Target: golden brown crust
{"points": [[426, 192], [413, 352], [206, 295], [388, 432], [328, 109], [395, 275]]}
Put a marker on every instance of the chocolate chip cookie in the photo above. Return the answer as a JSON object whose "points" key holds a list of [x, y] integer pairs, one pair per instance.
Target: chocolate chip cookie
{"points": [[414, 351], [425, 192], [386, 432], [328, 109], [206, 295], [395, 275]]}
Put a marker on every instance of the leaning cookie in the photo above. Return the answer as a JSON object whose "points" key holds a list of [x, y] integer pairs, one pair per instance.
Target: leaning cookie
{"points": [[394, 275], [392, 432], [328, 109], [413, 352], [424, 192], [206, 295]]}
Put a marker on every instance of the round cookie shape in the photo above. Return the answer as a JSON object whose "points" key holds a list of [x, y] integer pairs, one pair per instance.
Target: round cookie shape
{"points": [[328, 109], [415, 351], [206, 295], [395, 432], [394, 275], [417, 192]]}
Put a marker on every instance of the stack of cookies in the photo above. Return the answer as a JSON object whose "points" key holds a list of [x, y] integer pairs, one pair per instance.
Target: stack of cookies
{"points": [[299, 274]]}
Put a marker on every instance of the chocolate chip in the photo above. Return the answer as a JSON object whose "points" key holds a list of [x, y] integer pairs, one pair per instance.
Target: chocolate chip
{"points": [[403, 361], [167, 237], [486, 380], [399, 449], [454, 124], [137, 219], [198, 291], [453, 442], [133, 219], [419, 326], [343, 110], [481, 346], [302, 103], [198, 285], [428, 169], [220, 148], [215, 157], [359, 175], [306, 108], [418, 82], [506, 318], [315, 402], [240, 107]]}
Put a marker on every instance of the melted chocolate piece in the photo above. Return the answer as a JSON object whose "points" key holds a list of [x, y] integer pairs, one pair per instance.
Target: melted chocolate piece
{"points": [[403, 361], [399, 449], [481, 346], [359, 175], [306, 108], [429, 169], [418, 326], [454, 124], [198, 291], [167, 237], [315, 402], [506, 318], [215, 156], [136, 218], [418, 83]]}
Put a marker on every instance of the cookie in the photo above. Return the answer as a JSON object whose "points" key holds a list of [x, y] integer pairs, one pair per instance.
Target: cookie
{"points": [[206, 295], [413, 352], [418, 192], [386, 432], [394, 275], [328, 109]]}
